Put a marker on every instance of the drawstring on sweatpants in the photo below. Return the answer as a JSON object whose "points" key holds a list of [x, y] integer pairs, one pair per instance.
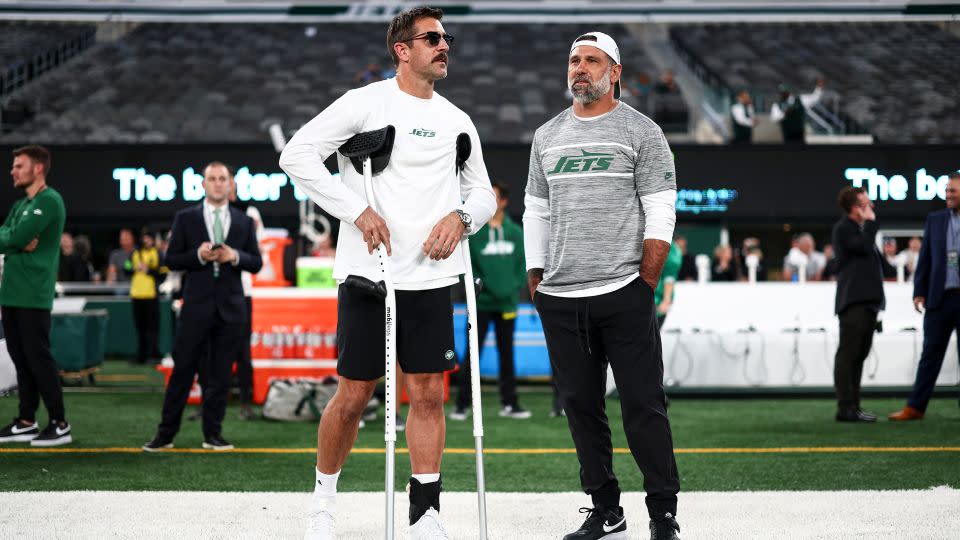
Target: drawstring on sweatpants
{"points": [[585, 335]]}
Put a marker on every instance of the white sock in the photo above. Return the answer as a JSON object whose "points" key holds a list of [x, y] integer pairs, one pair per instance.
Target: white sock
{"points": [[326, 485], [427, 478]]}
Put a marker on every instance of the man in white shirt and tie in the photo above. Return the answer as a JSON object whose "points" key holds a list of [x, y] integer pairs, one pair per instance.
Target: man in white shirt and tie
{"points": [[212, 244]]}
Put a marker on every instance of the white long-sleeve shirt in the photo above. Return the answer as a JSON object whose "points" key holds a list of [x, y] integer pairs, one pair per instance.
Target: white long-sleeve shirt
{"points": [[742, 114], [416, 190], [808, 100], [596, 189]]}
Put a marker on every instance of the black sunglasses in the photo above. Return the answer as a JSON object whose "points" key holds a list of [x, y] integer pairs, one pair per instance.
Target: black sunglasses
{"points": [[433, 38]]}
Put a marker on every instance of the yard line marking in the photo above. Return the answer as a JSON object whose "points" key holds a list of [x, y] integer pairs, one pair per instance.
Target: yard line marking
{"points": [[500, 451]]}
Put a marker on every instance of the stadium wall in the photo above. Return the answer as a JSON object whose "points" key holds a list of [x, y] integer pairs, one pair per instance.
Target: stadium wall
{"points": [[727, 185]]}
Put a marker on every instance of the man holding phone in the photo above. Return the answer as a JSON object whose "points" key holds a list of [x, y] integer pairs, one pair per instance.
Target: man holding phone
{"points": [[859, 298], [212, 243]]}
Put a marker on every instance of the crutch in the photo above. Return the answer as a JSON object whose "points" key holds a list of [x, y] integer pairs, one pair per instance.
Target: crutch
{"points": [[463, 152], [370, 153]]}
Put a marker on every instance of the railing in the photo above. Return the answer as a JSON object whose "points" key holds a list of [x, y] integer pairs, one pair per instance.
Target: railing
{"points": [[27, 69], [826, 117], [87, 288], [753, 262]]}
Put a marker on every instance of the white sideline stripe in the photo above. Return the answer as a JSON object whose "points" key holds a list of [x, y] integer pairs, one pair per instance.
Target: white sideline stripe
{"points": [[584, 175], [790, 515], [581, 145], [294, 363]]}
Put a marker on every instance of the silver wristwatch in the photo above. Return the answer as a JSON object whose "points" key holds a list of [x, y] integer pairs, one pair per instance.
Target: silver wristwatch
{"points": [[465, 219]]}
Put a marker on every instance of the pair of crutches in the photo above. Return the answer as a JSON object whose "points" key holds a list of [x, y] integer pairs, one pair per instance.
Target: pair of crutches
{"points": [[370, 153]]}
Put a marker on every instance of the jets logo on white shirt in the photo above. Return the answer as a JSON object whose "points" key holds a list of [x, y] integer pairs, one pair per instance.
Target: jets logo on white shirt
{"points": [[423, 132]]}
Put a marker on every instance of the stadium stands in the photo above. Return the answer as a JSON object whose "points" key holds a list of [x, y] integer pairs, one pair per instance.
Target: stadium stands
{"points": [[897, 79], [189, 83], [28, 50]]}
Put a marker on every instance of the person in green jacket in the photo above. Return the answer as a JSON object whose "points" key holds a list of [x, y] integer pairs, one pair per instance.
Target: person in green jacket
{"points": [[30, 240], [496, 251], [663, 296]]}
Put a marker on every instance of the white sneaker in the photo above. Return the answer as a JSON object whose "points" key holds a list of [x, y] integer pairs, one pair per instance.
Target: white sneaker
{"points": [[320, 522], [428, 527], [515, 411]]}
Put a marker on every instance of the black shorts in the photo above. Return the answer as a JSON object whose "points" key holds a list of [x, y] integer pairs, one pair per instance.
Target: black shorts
{"points": [[424, 330]]}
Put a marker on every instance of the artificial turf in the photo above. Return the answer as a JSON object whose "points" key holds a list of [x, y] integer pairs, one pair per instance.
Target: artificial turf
{"points": [[115, 419]]}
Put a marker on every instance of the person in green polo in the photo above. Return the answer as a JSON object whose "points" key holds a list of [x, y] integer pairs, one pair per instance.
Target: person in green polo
{"points": [[663, 296], [497, 255], [30, 241]]}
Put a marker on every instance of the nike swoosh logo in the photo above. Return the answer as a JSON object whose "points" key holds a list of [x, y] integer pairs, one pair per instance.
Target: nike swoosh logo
{"points": [[63, 432], [18, 430], [585, 153], [319, 483], [611, 528]]}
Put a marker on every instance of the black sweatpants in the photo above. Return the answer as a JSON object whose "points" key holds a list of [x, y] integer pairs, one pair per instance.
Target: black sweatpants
{"points": [[503, 330], [146, 318], [857, 325], [583, 335], [27, 331]]}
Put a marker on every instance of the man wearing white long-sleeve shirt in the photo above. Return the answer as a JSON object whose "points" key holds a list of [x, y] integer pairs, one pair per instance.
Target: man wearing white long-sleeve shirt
{"points": [[598, 223], [743, 120], [424, 213]]}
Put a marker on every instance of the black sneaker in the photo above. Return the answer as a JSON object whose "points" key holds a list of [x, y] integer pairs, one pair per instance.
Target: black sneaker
{"points": [[246, 413], [17, 432], [855, 415], [53, 435], [665, 528], [159, 443], [216, 442], [601, 522]]}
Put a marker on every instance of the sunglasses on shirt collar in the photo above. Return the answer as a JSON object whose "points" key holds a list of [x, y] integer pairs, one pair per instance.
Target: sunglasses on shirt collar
{"points": [[433, 38]]}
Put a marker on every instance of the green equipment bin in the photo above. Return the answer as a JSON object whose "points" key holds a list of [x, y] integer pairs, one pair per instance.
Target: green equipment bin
{"points": [[77, 340]]}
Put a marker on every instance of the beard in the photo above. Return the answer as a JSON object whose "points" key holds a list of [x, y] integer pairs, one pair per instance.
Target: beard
{"points": [[593, 91]]}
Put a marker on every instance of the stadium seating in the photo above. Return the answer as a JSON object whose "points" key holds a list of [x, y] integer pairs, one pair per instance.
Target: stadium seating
{"points": [[897, 79], [27, 50], [190, 83]]}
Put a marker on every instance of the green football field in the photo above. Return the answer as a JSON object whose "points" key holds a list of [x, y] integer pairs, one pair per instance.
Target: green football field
{"points": [[729, 444]]}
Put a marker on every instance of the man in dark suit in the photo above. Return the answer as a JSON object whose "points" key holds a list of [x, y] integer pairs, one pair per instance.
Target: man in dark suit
{"points": [[936, 294], [859, 298], [212, 243]]}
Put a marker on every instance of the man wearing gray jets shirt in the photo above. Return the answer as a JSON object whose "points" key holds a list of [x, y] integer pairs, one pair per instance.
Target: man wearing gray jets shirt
{"points": [[598, 223]]}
